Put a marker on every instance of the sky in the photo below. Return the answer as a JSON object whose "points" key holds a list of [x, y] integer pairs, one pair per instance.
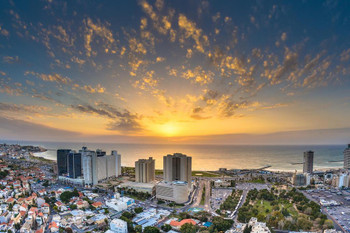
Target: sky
{"points": [[186, 71]]}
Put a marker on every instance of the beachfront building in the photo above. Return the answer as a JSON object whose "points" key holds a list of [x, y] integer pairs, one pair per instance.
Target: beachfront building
{"points": [[308, 162], [97, 166], [145, 170], [62, 161], [347, 157], [74, 165], [176, 191], [177, 167]]}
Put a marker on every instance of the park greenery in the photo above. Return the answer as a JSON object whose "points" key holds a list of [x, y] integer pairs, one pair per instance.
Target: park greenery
{"points": [[203, 196], [283, 209], [231, 201]]}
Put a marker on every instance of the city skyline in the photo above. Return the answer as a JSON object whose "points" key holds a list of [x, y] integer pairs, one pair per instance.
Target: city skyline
{"points": [[175, 72]]}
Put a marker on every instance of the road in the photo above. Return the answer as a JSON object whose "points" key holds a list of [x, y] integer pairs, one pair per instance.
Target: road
{"points": [[207, 196]]}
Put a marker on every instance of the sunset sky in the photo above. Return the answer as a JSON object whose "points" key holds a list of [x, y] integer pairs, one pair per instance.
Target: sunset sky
{"points": [[175, 71]]}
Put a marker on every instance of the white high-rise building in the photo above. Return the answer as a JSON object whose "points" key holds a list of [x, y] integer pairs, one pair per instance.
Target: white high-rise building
{"points": [[347, 157], [118, 162], [177, 167], [145, 170], [97, 166]]}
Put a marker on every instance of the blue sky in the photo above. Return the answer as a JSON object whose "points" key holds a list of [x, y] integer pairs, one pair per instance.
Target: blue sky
{"points": [[173, 70]]}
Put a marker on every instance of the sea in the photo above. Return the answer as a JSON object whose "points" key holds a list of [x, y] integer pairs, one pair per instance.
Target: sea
{"points": [[212, 157]]}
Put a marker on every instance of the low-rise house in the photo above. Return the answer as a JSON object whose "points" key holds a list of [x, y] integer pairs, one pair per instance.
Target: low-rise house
{"points": [[53, 227], [97, 204], [45, 208]]}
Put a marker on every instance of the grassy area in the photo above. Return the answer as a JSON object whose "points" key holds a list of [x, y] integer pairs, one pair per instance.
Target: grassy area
{"points": [[204, 174], [203, 197], [256, 181], [194, 173], [159, 172]]}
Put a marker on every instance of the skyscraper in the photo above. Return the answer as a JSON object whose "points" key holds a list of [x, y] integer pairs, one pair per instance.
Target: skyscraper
{"points": [[145, 170], [74, 165], [118, 162], [98, 166], [308, 162], [62, 161], [347, 157], [177, 167]]}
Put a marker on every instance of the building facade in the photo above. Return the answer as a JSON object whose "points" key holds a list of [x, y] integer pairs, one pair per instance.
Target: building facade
{"points": [[74, 165], [308, 162], [176, 191], [177, 167], [118, 226], [62, 161], [347, 157], [98, 166], [145, 170]]}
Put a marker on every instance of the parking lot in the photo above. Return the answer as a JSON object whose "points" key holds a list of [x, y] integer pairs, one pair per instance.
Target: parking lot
{"points": [[218, 196], [340, 196], [341, 214], [249, 186]]}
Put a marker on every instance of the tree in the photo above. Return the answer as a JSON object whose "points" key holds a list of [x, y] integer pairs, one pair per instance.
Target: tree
{"points": [[166, 227], [150, 229], [247, 229], [328, 224], [128, 215], [138, 228], [73, 207], [188, 228], [46, 183], [67, 195], [138, 210]]}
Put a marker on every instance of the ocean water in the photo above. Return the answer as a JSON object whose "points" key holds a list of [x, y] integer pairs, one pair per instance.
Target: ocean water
{"points": [[212, 157]]}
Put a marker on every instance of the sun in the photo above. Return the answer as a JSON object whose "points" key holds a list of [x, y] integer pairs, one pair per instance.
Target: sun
{"points": [[169, 129]]}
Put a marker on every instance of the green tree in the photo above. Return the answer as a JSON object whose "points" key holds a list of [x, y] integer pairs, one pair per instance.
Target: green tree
{"points": [[138, 228], [138, 210], [247, 229], [150, 229], [166, 227], [188, 228]]}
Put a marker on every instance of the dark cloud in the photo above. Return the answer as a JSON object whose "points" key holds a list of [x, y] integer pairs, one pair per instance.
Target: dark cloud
{"points": [[9, 107], [229, 107], [120, 120]]}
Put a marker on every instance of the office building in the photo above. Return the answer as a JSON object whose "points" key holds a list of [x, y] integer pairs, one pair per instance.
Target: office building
{"points": [[176, 191], [177, 167], [97, 166], [308, 162], [74, 165], [62, 161], [145, 170], [347, 157]]}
